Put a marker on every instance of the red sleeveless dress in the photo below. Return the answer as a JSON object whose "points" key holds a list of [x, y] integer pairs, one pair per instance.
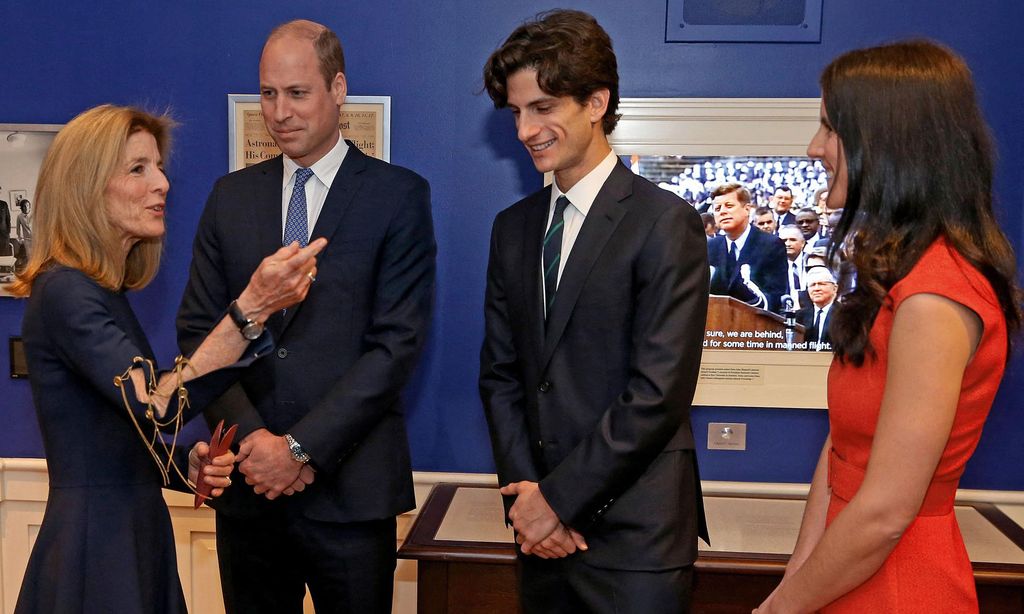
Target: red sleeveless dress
{"points": [[928, 571]]}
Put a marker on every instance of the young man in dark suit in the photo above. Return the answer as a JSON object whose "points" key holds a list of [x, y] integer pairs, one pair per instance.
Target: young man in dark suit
{"points": [[747, 264], [594, 319], [328, 400]]}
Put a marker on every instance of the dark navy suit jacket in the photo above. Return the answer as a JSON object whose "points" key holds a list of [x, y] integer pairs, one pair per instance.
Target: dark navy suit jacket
{"points": [[595, 405], [766, 255], [806, 317], [345, 353]]}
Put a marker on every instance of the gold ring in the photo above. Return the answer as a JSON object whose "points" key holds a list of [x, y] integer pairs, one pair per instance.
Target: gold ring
{"points": [[309, 274], [229, 482]]}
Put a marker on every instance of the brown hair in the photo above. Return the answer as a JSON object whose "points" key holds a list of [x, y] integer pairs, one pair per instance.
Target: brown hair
{"points": [[71, 225], [742, 193], [571, 53], [328, 48], [919, 166]]}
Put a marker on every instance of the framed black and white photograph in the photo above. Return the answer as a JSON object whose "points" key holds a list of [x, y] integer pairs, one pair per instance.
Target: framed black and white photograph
{"points": [[365, 120], [22, 148]]}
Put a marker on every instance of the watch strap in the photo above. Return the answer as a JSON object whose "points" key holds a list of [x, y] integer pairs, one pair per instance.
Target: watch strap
{"points": [[297, 452], [237, 316]]}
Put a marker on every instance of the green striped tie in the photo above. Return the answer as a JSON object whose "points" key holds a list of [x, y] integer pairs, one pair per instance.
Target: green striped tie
{"points": [[553, 251]]}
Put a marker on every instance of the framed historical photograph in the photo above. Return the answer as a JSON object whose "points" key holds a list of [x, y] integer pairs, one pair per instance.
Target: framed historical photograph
{"points": [[752, 357], [22, 148], [365, 120]]}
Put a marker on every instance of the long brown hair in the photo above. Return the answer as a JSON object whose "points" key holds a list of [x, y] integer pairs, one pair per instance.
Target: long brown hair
{"points": [[919, 165], [71, 225]]}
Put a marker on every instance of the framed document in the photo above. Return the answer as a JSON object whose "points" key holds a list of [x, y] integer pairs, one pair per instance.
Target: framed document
{"points": [[365, 120]]}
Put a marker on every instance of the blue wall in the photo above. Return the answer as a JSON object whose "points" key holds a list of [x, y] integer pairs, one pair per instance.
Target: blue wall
{"points": [[58, 58]]}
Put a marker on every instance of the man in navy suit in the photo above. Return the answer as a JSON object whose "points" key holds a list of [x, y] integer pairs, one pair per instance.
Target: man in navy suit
{"points": [[816, 317], [747, 264], [323, 415], [594, 319], [782, 203]]}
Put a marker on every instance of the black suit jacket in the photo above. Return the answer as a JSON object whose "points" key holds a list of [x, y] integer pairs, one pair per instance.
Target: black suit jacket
{"points": [[766, 255], [345, 353], [806, 317], [596, 409]]}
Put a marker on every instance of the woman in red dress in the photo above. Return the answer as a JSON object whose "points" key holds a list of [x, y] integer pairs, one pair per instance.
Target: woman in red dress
{"points": [[920, 344]]}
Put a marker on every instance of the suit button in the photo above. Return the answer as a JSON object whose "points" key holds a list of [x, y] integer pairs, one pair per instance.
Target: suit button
{"points": [[540, 443], [282, 353], [544, 386]]}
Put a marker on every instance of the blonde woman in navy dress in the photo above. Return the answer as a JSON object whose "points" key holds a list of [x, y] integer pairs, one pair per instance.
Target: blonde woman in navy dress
{"points": [[105, 544]]}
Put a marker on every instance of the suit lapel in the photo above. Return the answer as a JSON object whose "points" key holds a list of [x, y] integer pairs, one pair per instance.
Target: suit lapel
{"points": [[534, 225], [268, 207], [344, 188], [266, 195], [602, 220]]}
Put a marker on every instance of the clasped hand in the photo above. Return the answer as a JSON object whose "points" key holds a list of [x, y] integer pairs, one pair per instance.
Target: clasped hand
{"points": [[538, 529], [267, 464]]}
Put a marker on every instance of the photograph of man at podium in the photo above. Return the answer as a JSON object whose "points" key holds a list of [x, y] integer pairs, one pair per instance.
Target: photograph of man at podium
{"points": [[599, 278], [746, 263]]}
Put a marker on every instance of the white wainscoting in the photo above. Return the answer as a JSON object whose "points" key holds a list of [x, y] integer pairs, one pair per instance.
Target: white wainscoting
{"points": [[23, 490]]}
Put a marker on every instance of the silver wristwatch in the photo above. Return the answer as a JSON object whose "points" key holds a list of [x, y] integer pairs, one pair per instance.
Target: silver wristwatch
{"points": [[297, 452]]}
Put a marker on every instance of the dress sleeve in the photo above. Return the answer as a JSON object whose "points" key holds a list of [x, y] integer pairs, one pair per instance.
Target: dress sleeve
{"points": [[86, 335], [944, 272], [88, 338]]}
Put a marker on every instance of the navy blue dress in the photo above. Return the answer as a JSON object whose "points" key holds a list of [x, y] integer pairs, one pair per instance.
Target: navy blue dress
{"points": [[105, 544]]}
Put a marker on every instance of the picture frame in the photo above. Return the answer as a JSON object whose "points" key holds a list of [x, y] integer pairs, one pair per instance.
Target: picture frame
{"points": [[365, 120], [22, 149], [707, 127], [18, 362], [716, 21]]}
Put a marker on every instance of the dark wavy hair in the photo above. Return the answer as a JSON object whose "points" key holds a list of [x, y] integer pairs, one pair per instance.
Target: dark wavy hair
{"points": [[919, 164], [571, 53]]}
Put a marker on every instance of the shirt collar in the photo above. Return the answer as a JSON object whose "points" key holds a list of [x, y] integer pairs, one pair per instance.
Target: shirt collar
{"points": [[742, 240], [583, 194], [326, 167]]}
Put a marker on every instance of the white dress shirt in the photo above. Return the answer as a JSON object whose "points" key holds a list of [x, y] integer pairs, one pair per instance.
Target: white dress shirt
{"points": [[317, 186], [739, 242], [581, 197]]}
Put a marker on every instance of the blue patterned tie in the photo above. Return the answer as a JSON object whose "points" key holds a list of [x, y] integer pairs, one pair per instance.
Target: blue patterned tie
{"points": [[296, 227], [553, 251]]}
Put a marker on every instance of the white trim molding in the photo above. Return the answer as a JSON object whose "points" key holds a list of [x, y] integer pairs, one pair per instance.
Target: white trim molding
{"points": [[24, 486]]}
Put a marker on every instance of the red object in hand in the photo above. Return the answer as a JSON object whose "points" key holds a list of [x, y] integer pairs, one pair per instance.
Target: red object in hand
{"points": [[218, 446]]}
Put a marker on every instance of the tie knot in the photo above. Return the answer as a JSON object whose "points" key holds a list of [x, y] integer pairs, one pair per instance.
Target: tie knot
{"points": [[301, 176], [560, 204]]}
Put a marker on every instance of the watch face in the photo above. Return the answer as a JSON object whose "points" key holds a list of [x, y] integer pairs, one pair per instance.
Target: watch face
{"points": [[252, 331]]}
